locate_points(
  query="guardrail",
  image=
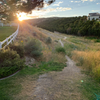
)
(9, 40)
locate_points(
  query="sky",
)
(67, 8)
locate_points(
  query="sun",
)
(21, 16)
(24, 16)
(20, 19)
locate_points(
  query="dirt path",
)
(62, 85)
(61, 43)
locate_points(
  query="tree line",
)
(79, 26)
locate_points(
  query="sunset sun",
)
(20, 19)
(22, 16)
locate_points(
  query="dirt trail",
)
(61, 43)
(62, 85)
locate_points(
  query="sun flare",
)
(20, 19)
(22, 16)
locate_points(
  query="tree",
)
(11, 7)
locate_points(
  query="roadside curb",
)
(9, 76)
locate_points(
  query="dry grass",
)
(28, 84)
(56, 57)
(90, 60)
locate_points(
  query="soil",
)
(63, 85)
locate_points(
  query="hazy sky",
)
(68, 8)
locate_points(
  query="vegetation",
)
(6, 31)
(10, 62)
(19, 48)
(9, 8)
(60, 49)
(86, 54)
(33, 48)
(49, 61)
(12, 86)
(74, 25)
(48, 40)
(43, 67)
(90, 60)
(89, 88)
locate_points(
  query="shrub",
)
(48, 40)
(10, 62)
(56, 40)
(18, 48)
(33, 48)
(60, 49)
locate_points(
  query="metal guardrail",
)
(9, 39)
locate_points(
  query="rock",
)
(29, 61)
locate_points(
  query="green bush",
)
(48, 40)
(10, 62)
(18, 48)
(33, 48)
(60, 49)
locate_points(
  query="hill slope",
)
(72, 25)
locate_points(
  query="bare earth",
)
(60, 85)
(63, 85)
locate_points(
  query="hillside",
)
(72, 25)
(48, 77)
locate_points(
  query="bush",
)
(10, 62)
(48, 40)
(33, 48)
(56, 40)
(60, 49)
(18, 48)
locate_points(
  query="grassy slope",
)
(78, 48)
(6, 31)
(10, 89)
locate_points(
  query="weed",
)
(48, 40)
(33, 48)
(60, 49)
(56, 41)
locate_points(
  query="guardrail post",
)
(0, 45)
(2, 24)
(7, 41)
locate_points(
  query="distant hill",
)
(69, 25)
(38, 20)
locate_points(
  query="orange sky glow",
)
(23, 16)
